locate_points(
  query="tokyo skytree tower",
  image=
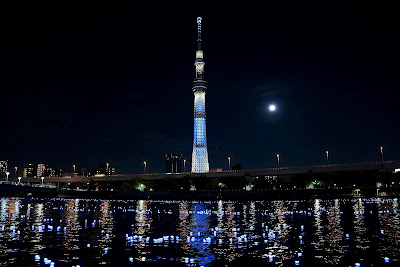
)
(200, 153)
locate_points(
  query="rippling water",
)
(64, 232)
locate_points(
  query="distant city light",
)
(272, 107)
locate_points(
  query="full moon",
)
(272, 107)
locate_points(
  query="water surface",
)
(65, 232)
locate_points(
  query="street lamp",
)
(184, 165)
(277, 157)
(327, 156)
(229, 162)
(73, 166)
(107, 170)
(7, 173)
(19, 180)
(382, 152)
(145, 165)
(15, 169)
(42, 179)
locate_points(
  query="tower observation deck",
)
(200, 154)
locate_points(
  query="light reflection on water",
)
(82, 232)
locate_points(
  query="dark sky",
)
(89, 83)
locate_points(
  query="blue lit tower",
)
(200, 154)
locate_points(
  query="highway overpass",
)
(329, 168)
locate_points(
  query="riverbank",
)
(7, 190)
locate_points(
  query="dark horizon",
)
(89, 83)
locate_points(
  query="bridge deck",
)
(330, 168)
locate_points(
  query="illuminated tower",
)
(200, 153)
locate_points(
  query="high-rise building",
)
(41, 168)
(3, 166)
(29, 171)
(173, 163)
(51, 171)
(200, 154)
(103, 169)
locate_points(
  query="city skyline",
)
(100, 85)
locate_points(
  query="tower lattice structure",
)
(200, 154)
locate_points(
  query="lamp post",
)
(42, 179)
(327, 156)
(229, 163)
(381, 152)
(107, 170)
(15, 171)
(184, 165)
(73, 166)
(7, 173)
(19, 180)
(145, 166)
(277, 157)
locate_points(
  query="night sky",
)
(89, 83)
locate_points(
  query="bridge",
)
(282, 171)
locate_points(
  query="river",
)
(80, 232)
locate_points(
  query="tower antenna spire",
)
(199, 33)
